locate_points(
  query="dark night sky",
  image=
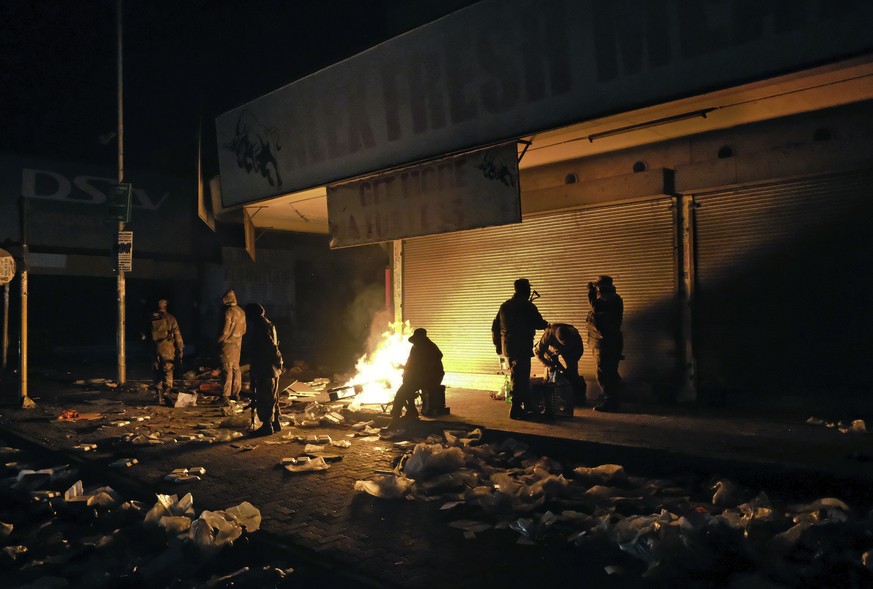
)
(181, 58)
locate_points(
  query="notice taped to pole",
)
(125, 251)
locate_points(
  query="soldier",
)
(423, 371)
(605, 339)
(230, 342)
(562, 341)
(512, 332)
(167, 345)
(267, 365)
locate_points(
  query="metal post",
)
(122, 356)
(5, 325)
(397, 260)
(688, 390)
(26, 402)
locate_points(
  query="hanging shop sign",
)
(502, 69)
(475, 189)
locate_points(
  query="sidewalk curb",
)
(789, 480)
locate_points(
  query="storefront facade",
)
(688, 150)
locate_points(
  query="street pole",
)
(122, 359)
(24, 399)
(5, 326)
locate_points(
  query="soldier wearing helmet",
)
(605, 339)
(163, 331)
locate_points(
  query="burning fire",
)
(380, 372)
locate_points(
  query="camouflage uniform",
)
(512, 332)
(605, 339)
(267, 365)
(167, 346)
(230, 342)
(562, 340)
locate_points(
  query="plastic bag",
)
(245, 514)
(600, 475)
(314, 465)
(428, 460)
(386, 487)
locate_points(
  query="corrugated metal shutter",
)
(779, 302)
(453, 284)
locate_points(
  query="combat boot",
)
(264, 430)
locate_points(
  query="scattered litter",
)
(311, 465)
(313, 448)
(341, 443)
(68, 415)
(858, 426)
(124, 462)
(186, 400)
(244, 447)
(333, 418)
(386, 487)
(184, 475)
(41, 495)
(85, 447)
(724, 493)
(470, 525)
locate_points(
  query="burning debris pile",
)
(57, 532)
(713, 535)
(378, 374)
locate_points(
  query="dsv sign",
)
(46, 185)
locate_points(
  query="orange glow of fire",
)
(380, 372)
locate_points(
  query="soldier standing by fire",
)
(267, 365)
(230, 342)
(512, 332)
(605, 339)
(163, 329)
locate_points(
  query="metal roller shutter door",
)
(781, 291)
(453, 284)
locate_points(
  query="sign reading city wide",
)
(7, 267)
(475, 189)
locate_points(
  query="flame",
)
(380, 372)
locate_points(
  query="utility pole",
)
(122, 358)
